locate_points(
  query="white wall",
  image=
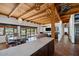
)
(71, 29)
(43, 29)
(60, 27)
(39, 29)
(66, 27)
(14, 21)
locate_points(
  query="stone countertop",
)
(26, 49)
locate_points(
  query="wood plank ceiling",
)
(38, 12)
(66, 9)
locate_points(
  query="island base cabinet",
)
(47, 50)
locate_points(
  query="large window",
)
(33, 31)
(23, 32)
(28, 32)
(10, 31)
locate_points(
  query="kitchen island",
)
(40, 47)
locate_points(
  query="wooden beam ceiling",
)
(40, 13)
(41, 18)
(72, 4)
(6, 8)
(38, 19)
(65, 17)
(31, 8)
(42, 21)
(26, 12)
(15, 9)
(57, 14)
(34, 12)
(44, 11)
(54, 12)
(44, 16)
(38, 16)
(73, 10)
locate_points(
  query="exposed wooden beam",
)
(41, 21)
(26, 12)
(65, 17)
(72, 11)
(56, 14)
(6, 15)
(65, 20)
(72, 5)
(30, 4)
(3, 14)
(41, 18)
(38, 16)
(43, 8)
(15, 9)
(31, 8)
(45, 20)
